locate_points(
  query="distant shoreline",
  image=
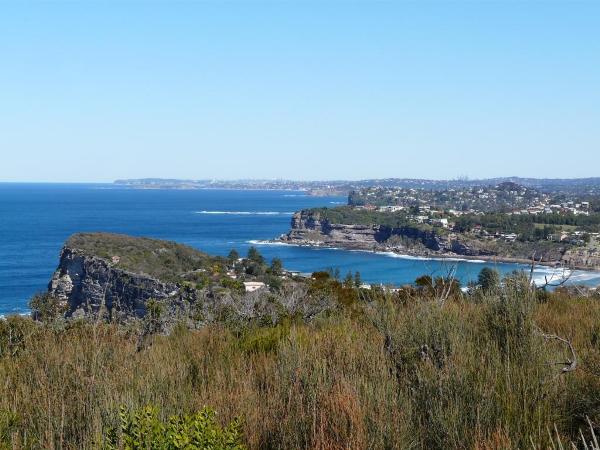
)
(308, 192)
(444, 256)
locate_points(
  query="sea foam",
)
(263, 242)
(247, 213)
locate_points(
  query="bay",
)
(36, 219)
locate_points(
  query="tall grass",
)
(398, 375)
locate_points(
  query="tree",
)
(357, 279)
(276, 266)
(45, 307)
(348, 281)
(321, 276)
(336, 273)
(254, 268)
(424, 281)
(233, 256)
(489, 279)
(255, 256)
(151, 324)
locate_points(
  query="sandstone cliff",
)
(309, 227)
(114, 277)
(92, 285)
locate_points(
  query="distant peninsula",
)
(507, 222)
(344, 187)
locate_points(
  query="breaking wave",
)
(264, 242)
(247, 213)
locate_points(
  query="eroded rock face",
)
(93, 286)
(308, 228)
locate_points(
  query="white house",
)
(252, 286)
(440, 223)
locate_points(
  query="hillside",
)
(164, 260)
(498, 237)
(121, 278)
(505, 366)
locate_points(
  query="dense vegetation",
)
(164, 260)
(352, 216)
(178, 263)
(427, 367)
(529, 226)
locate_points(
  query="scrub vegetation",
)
(505, 366)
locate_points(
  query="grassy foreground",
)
(383, 371)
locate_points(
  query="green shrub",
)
(14, 332)
(8, 425)
(143, 429)
(235, 285)
(264, 339)
(45, 307)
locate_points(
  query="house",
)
(418, 219)
(439, 223)
(392, 208)
(558, 237)
(252, 286)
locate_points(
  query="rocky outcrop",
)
(91, 285)
(114, 277)
(310, 228)
(582, 257)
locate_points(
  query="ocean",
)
(35, 220)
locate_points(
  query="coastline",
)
(305, 191)
(432, 256)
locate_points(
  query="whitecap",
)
(23, 314)
(265, 242)
(247, 213)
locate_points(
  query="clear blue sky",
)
(93, 91)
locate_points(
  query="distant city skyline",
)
(299, 90)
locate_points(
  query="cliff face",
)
(309, 228)
(91, 285)
(113, 277)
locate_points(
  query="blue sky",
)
(94, 91)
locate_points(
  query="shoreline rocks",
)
(308, 228)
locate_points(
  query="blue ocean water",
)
(35, 220)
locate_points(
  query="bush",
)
(46, 307)
(14, 332)
(489, 279)
(143, 429)
(474, 373)
(264, 339)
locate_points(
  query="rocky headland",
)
(310, 228)
(120, 278)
